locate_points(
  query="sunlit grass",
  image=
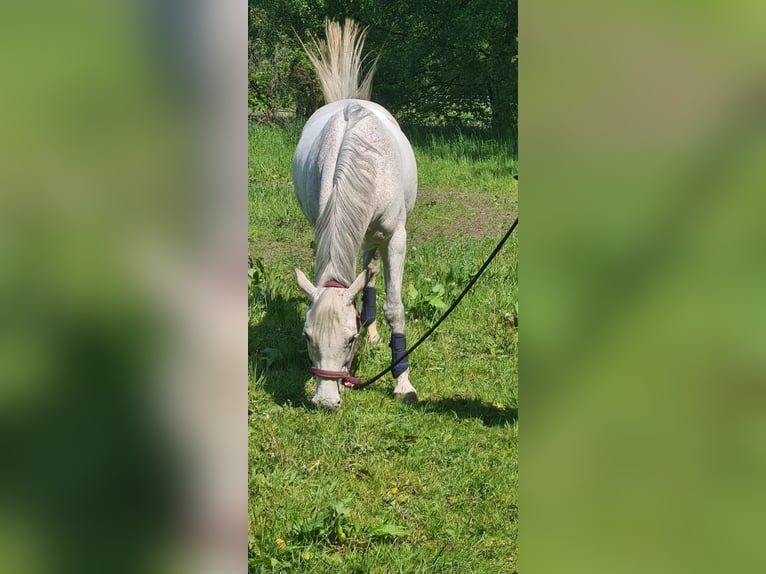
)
(463, 160)
(381, 486)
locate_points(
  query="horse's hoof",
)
(410, 398)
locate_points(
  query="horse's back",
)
(315, 159)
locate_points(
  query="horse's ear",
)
(303, 282)
(356, 286)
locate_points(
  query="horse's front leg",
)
(371, 263)
(393, 309)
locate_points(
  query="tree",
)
(449, 62)
(279, 73)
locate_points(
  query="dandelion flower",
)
(394, 490)
(280, 543)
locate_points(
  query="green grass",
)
(466, 160)
(381, 486)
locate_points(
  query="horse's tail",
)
(339, 63)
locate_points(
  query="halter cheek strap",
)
(345, 374)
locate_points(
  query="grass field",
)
(382, 486)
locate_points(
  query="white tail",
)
(339, 63)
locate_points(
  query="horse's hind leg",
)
(393, 309)
(371, 262)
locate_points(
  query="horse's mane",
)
(339, 63)
(343, 222)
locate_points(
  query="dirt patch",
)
(437, 213)
(272, 252)
(459, 214)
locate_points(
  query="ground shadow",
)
(277, 353)
(462, 407)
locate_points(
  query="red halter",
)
(345, 374)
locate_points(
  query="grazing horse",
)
(356, 180)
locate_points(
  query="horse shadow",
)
(277, 354)
(462, 407)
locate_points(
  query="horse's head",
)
(331, 330)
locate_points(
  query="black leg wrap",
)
(368, 306)
(398, 348)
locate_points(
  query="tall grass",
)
(463, 159)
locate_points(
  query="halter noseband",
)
(345, 374)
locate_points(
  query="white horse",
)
(356, 180)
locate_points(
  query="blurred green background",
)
(122, 241)
(120, 258)
(642, 364)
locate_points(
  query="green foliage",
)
(425, 303)
(452, 64)
(280, 76)
(326, 527)
(456, 64)
(256, 279)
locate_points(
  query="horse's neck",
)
(336, 265)
(338, 238)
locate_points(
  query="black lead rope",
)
(448, 311)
